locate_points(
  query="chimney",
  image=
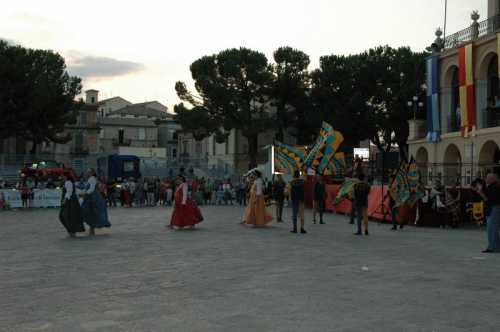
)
(91, 97)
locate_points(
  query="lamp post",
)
(416, 105)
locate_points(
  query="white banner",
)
(12, 197)
(42, 198)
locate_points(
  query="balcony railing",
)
(125, 142)
(472, 33)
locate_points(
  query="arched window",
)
(493, 92)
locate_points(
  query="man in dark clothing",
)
(279, 196)
(491, 194)
(319, 199)
(360, 202)
(297, 198)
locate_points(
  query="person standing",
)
(70, 214)
(112, 193)
(360, 203)
(150, 192)
(491, 195)
(255, 212)
(95, 212)
(393, 209)
(319, 199)
(297, 193)
(279, 196)
(186, 213)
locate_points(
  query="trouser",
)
(279, 209)
(493, 221)
(361, 217)
(112, 200)
(298, 211)
(319, 207)
(151, 198)
(394, 216)
(353, 214)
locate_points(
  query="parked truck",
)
(118, 168)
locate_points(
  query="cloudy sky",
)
(139, 49)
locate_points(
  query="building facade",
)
(461, 138)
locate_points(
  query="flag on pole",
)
(287, 158)
(399, 188)
(337, 165)
(346, 190)
(324, 149)
(414, 183)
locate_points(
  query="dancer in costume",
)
(95, 211)
(70, 214)
(255, 213)
(186, 213)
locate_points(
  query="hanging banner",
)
(433, 112)
(467, 96)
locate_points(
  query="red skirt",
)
(186, 215)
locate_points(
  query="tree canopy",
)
(37, 95)
(233, 92)
(364, 96)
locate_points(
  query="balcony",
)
(475, 31)
(125, 142)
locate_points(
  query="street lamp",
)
(416, 105)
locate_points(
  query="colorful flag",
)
(346, 190)
(399, 188)
(414, 183)
(287, 158)
(467, 97)
(337, 165)
(323, 151)
(433, 113)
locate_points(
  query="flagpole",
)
(445, 18)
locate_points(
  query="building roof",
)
(140, 110)
(126, 122)
(112, 98)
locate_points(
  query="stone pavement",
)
(138, 276)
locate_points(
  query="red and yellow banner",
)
(467, 97)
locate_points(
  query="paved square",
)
(138, 276)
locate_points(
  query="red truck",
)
(46, 169)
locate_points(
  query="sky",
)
(139, 49)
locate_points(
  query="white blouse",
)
(258, 186)
(184, 193)
(92, 181)
(68, 186)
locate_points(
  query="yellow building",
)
(461, 138)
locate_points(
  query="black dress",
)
(70, 214)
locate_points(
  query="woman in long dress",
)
(70, 214)
(186, 213)
(95, 212)
(255, 213)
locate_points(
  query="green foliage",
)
(233, 92)
(36, 94)
(291, 85)
(365, 95)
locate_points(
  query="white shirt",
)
(92, 181)
(258, 186)
(68, 185)
(184, 193)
